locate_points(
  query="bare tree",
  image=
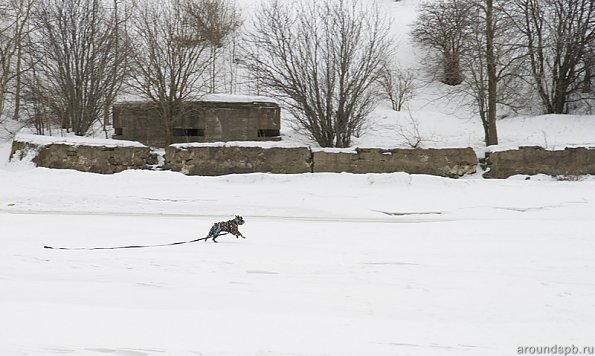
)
(484, 50)
(492, 64)
(397, 85)
(79, 60)
(557, 37)
(170, 64)
(214, 22)
(322, 59)
(14, 26)
(442, 27)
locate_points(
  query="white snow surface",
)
(333, 264)
(75, 140)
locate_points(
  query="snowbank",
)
(42, 140)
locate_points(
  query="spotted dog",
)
(230, 227)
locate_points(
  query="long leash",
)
(130, 246)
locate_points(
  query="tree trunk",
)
(560, 99)
(18, 81)
(213, 68)
(492, 138)
(589, 75)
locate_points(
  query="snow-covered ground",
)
(333, 264)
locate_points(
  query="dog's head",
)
(239, 220)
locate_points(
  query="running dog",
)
(230, 227)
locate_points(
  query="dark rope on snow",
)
(129, 246)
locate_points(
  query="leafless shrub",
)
(398, 85)
(411, 133)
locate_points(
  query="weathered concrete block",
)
(450, 162)
(535, 160)
(96, 159)
(220, 160)
(20, 149)
(337, 162)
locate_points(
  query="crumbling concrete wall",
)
(192, 159)
(450, 162)
(535, 160)
(212, 160)
(220, 160)
(96, 159)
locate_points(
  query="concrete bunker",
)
(213, 118)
